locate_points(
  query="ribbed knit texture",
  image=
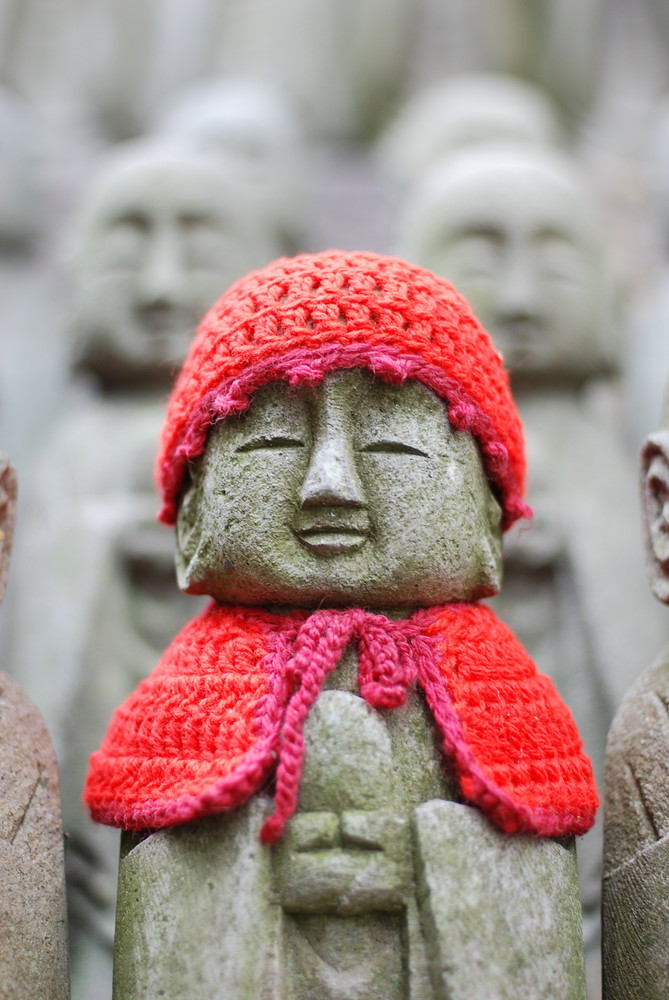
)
(301, 317)
(230, 696)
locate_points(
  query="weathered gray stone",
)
(635, 903)
(33, 927)
(360, 467)
(496, 909)
(195, 915)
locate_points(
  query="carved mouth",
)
(330, 535)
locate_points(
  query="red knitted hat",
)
(299, 318)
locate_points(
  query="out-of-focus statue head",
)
(20, 196)
(255, 129)
(465, 111)
(517, 232)
(161, 229)
(332, 439)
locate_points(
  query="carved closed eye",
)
(393, 448)
(269, 443)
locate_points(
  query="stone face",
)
(162, 231)
(516, 231)
(357, 467)
(495, 909)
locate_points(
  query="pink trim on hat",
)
(306, 366)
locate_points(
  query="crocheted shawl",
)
(230, 696)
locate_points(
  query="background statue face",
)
(165, 233)
(517, 236)
(357, 492)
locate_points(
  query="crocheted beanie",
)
(299, 318)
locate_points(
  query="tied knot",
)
(386, 670)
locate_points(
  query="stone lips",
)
(302, 317)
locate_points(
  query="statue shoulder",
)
(636, 783)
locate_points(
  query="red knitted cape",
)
(230, 695)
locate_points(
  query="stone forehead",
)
(464, 110)
(503, 177)
(149, 172)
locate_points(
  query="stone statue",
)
(161, 231)
(340, 456)
(33, 927)
(635, 897)
(463, 111)
(255, 130)
(515, 229)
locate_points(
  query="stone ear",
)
(655, 511)
(492, 546)
(188, 533)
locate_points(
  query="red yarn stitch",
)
(302, 317)
(232, 692)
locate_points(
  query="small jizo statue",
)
(635, 887)
(345, 778)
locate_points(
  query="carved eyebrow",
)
(270, 441)
(393, 447)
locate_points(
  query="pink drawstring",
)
(386, 670)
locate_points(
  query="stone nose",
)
(332, 478)
(161, 276)
(519, 294)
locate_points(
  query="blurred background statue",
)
(163, 228)
(258, 134)
(464, 111)
(515, 229)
